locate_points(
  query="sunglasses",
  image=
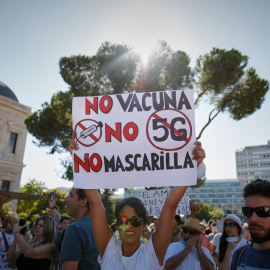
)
(134, 221)
(261, 211)
(230, 224)
(185, 231)
(214, 224)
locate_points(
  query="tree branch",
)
(209, 121)
(199, 96)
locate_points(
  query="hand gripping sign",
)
(134, 140)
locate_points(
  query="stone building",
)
(12, 140)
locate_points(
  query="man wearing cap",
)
(189, 253)
(257, 212)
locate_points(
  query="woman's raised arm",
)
(102, 232)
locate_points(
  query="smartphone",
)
(22, 222)
(52, 196)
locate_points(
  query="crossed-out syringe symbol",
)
(88, 131)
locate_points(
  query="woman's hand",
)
(198, 153)
(17, 228)
(73, 145)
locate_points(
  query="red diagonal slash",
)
(169, 126)
(91, 135)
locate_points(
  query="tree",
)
(33, 208)
(6, 210)
(217, 213)
(204, 214)
(108, 204)
(114, 69)
(222, 77)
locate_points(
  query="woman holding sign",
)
(131, 219)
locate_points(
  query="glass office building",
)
(253, 162)
(225, 194)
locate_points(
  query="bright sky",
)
(34, 35)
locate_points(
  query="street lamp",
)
(44, 190)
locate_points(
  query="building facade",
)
(253, 162)
(12, 140)
(225, 194)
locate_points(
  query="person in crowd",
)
(214, 230)
(145, 235)
(189, 253)
(257, 212)
(176, 231)
(233, 237)
(247, 237)
(155, 220)
(6, 240)
(131, 219)
(209, 228)
(79, 249)
(54, 212)
(64, 223)
(38, 253)
(183, 219)
(205, 240)
(151, 229)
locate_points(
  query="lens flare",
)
(124, 226)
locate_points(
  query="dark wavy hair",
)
(257, 187)
(223, 244)
(134, 202)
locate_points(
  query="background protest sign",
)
(134, 140)
(153, 201)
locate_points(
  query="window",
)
(5, 185)
(12, 142)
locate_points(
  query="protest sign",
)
(153, 201)
(134, 140)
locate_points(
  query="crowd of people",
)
(84, 240)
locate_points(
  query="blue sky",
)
(34, 35)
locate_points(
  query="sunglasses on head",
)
(134, 221)
(230, 224)
(185, 231)
(261, 211)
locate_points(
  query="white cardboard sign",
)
(134, 140)
(153, 201)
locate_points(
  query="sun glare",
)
(145, 50)
(141, 27)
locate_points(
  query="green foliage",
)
(108, 204)
(6, 210)
(200, 182)
(33, 208)
(222, 76)
(217, 213)
(204, 214)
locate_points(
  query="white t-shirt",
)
(3, 251)
(215, 241)
(192, 259)
(144, 258)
